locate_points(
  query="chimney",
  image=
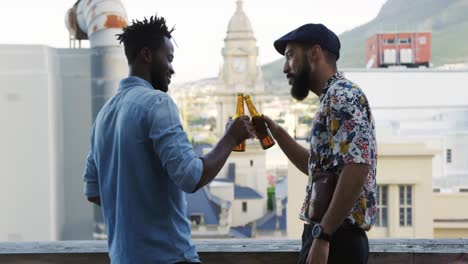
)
(99, 21)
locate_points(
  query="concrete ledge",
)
(241, 251)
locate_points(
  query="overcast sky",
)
(200, 24)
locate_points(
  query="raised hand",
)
(240, 129)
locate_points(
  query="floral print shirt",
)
(343, 132)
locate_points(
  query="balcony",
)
(417, 251)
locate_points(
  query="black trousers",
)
(348, 245)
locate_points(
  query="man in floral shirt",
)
(342, 141)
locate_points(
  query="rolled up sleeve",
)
(172, 146)
(91, 181)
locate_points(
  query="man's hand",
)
(95, 200)
(271, 124)
(236, 132)
(240, 129)
(318, 253)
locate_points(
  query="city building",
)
(48, 98)
(240, 190)
(411, 49)
(45, 108)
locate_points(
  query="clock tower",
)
(239, 72)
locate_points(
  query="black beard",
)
(300, 86)
(158, 84)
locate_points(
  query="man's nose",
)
(286, 68)
(171, 70)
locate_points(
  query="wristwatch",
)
(317, 232)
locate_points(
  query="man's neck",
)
(134, 71)
(326, 74)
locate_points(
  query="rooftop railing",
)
(254, 251)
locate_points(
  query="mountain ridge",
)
(446, 20)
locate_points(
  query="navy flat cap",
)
(311, 34)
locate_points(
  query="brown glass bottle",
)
(239, 112)
(264, 136)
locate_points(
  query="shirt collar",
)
(134, 81)
(337, 76)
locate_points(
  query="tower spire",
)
(240, 5)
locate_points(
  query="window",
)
(197, 219)
(382, 205)
(389, 41)
(251, 163)
(404, 41)
(449, 156)
(244, 207)
(406, 209)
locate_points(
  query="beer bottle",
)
(239, 112)
(264, 136)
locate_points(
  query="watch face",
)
(316, 230)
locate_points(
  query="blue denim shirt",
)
(140, 163)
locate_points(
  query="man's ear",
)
(314, 53)
(146, 55)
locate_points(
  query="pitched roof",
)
(241, 231)
(268, 221)
(241, 192)
(203, 202)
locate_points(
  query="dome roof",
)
(239, 25)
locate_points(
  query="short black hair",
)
(146, 33)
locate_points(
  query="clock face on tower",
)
(239, 64)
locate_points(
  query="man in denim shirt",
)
(140, 162)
